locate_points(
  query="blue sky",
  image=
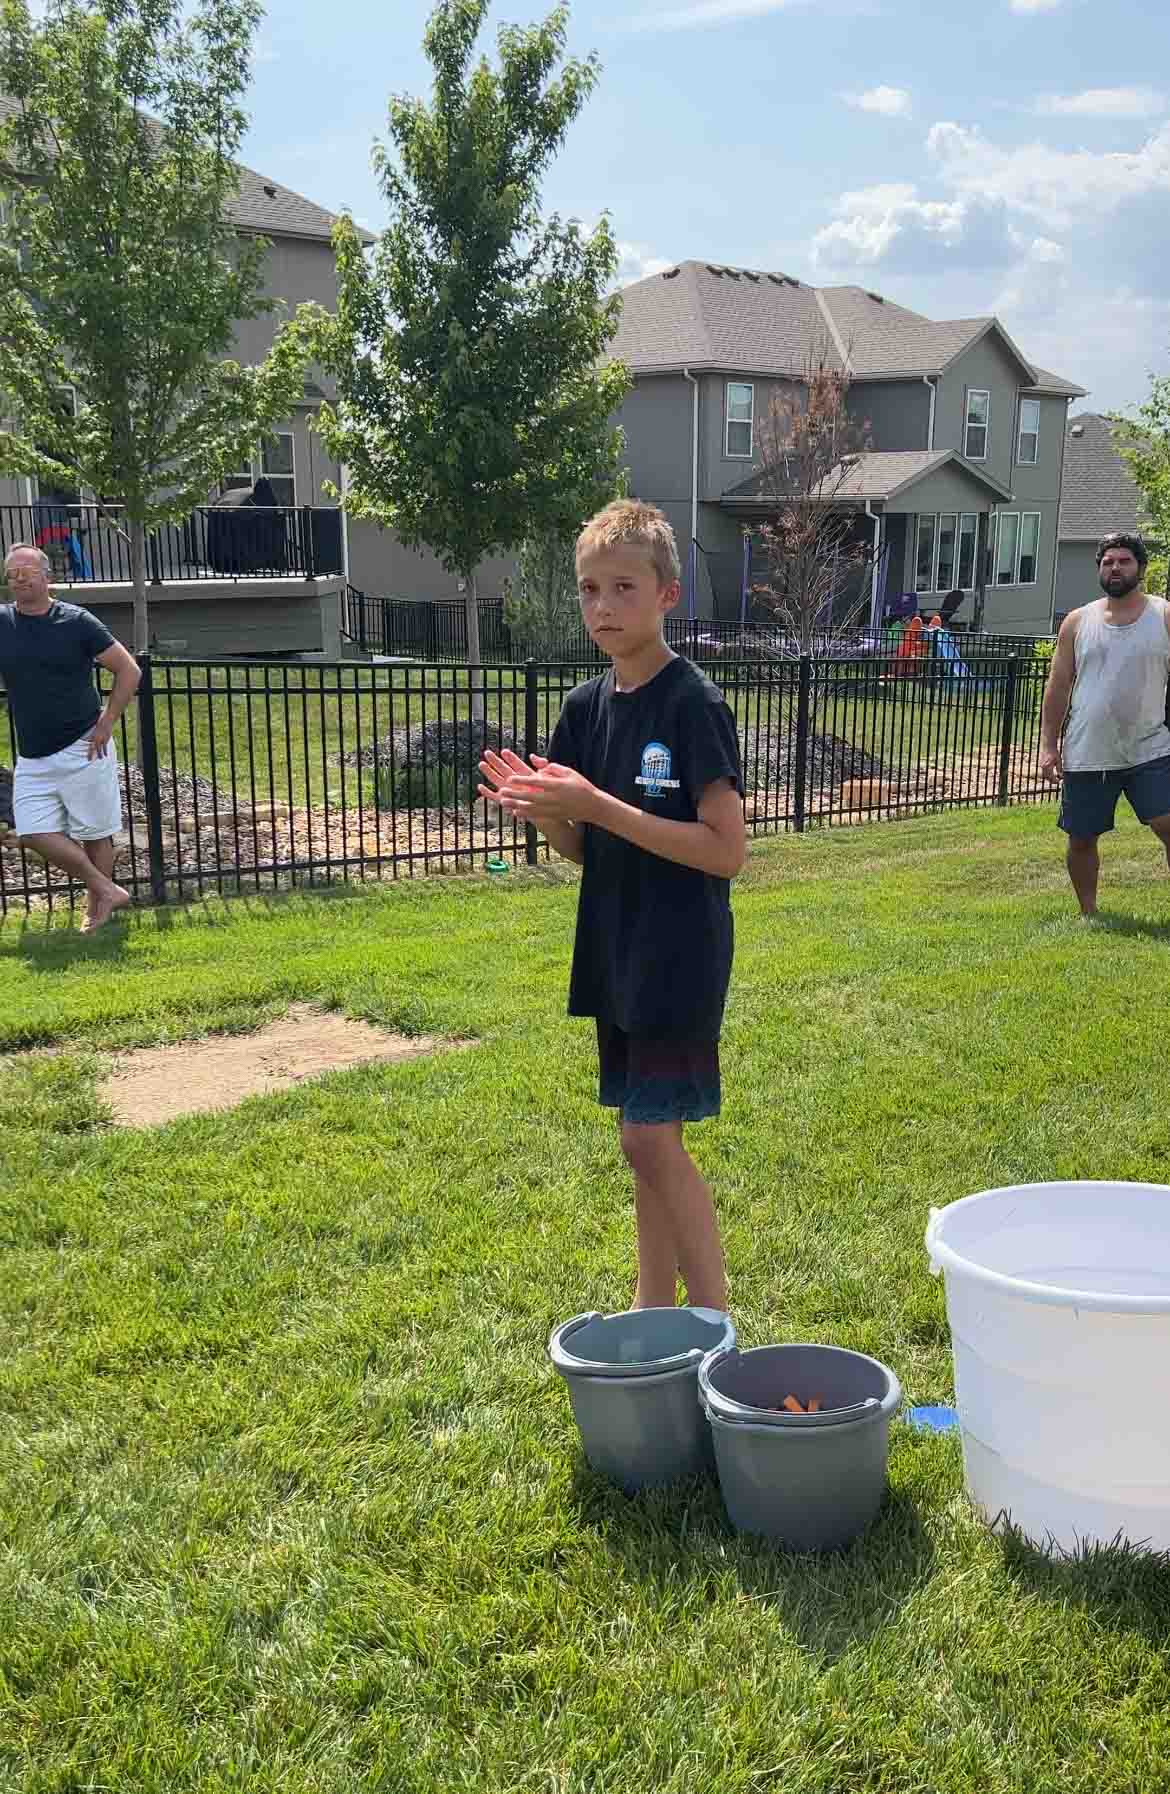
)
(1008, 156)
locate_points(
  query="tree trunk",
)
(474, 659)
(138, 580)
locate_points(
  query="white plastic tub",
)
(1058, 1298)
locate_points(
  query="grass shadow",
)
(51, 949)
(829, 1601)
(1132, 926)
(1120, 1585)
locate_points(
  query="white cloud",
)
(1054, 186)
(1027, 6)
(1103, 102)
(891, 222)
(636, 263)
(891, 102)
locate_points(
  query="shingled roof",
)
(876, 474)
(739, 320)
(262, 205)
(1098, 493)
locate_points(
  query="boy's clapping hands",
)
(539, 792)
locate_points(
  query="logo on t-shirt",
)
(655, 773)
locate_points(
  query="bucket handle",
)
(932, 1227)
(710, 1360)
(560, 1355)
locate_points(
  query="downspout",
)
(875, 621)
(1056, 530)
(928, 383)
(688, 375)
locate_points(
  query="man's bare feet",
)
(102, 905)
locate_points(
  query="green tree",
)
(474, 404)
(1143, 441)
(120, 276)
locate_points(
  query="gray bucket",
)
(633, 1383)
(812, 1482)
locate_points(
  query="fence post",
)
(530, 748)
(800, 775)
(148, 766)
(1007, 730)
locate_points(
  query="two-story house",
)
(963, 479)
(268, 582)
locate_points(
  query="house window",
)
(978, 420)
(741, 404)
(945, 552)
(1017, 549)
(944, 576)
(924, 561)
(1028, 440)
(62, 493)
(1007, 545)
(241, 476)
(968, 535)
(278, 467)
(1029, 548)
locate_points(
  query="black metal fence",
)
(86, 544)
(437, 631)
(245, 775)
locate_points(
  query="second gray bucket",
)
(812, 1482)
(633, 1383)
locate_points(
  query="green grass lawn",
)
(289, 1495)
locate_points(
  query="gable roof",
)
(1097, 493)
(262, 205)
(701, 315)
(880, 474)
(704, 315)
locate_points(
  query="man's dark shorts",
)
(1088, 800)
(654, 1081)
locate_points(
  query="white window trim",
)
(968, 426)
(255, 468)
(292, 437)
(935, 587)
(1015, 580)
(1021, 433)
(728, 453)
(925, 591)
(959, 586)
(84, 496)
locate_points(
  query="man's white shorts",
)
(69, 794)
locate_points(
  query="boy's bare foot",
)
(103, 905)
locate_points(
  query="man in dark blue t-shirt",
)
(66, 795)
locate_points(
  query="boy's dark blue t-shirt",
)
(654, 939)
(46, 663)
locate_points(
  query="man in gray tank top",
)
(1107, 691)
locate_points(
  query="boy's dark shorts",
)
(653, 1081)
(1088, 800)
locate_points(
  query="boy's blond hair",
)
(627, 523)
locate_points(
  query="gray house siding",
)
(1010, 607)
(1076, 576)
(656, 419)
(719, 471)
(897, 413)
(383, 567)
(296, 271)
(987, 367)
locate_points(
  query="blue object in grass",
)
(933, 1419)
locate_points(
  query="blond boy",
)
(642, 787)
